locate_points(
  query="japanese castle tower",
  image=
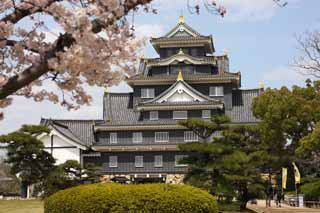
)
(137, 139)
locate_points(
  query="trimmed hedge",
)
(131, 198)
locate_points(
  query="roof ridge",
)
(120, 93)
(84, 120)
(251, 89)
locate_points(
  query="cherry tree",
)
(95, 47)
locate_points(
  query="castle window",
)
(216, 91)
(206, 113)
(154, 115)
(158, 161)
(178, 158)
(113, 161)
(137, 137)
(180, 115)
(138, 161)
(190, 136)
(147, 93)
(161, 137)
(113, 137)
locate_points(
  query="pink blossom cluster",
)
(96, 47)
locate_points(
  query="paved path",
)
(261, 208)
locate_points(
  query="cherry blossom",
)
(94, 47)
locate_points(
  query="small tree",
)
(26, 155)
(67, 175)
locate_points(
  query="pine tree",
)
(229, 164)
(26, 155)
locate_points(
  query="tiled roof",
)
(186, 77)
(79, 131)
(181, 38)
(153, 101)
(186, 26)
(119, 114)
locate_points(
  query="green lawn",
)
(36, 206)
(21, 206)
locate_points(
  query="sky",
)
(260, 39)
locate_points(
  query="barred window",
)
(206, 113)
(161, 136)
(137, 137)
(178, 158)
(138, 161)
(154, 115)
(158, 161)
(216, 91)
(147, 93)
(190, 136)
(113, 161)
(113, 137)
(180, 115)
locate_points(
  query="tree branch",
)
(35, 71)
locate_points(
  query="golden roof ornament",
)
(181, 19)
(106, 90)
(180, 51)
(225, 52)
(142, 56)
(261, 85)
(180, 77)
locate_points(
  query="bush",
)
(131, 198)
(311, 191)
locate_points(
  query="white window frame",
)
(147, 93)
(113, 161)
(177, 115)
(138, 161)
(214, 91)
(190, 136)
(160, 137)
(154, 115)
(177, 158)
(158, 161)
(206, 113)
(137, 137)
(113, 137)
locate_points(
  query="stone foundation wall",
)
(175, 178)
(169, 178)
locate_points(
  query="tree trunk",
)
(24, 189)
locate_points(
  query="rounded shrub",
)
(131, 198)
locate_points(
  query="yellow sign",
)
(284, 177)
(297, 176)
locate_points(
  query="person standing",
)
(269, 194)
(278, 196)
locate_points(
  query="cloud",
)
(249, 10)
(237, 10)
(149, 30)
(284, 75)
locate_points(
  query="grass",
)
(21, 206)
(36, 206)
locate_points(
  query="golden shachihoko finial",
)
(181, 19)
(225, 52)
(261, 85)
(180, 77)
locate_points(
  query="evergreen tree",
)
(67, 175)
(228, 164)
(26, 155)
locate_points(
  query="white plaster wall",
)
(61, 154)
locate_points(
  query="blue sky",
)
(259, 37)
